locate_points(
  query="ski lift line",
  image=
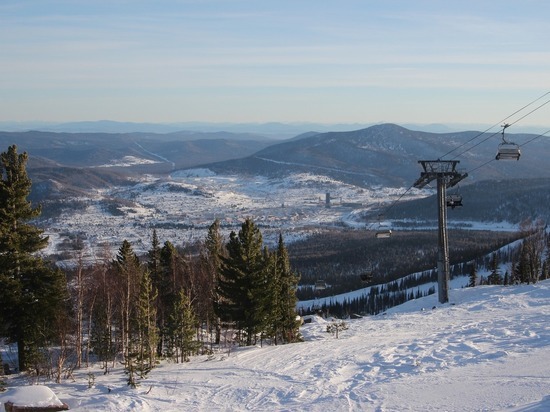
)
(502, 121)
(391, 205)
(521, 145)
(507, 125)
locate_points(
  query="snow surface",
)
(487, 350)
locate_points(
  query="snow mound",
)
(31, 396)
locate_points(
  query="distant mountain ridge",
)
(63, 164)
(277, 130)
(388, 155)
(381, 155)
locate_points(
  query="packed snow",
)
(486, 350)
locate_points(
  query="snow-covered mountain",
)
(487, 350)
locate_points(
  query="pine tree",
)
(242, 282)
(31, 293)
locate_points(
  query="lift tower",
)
(444, 171)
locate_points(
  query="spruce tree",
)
(214, 252)
(288, 283)
(242, 282)
(31, 293)
(153, 261)
(523, 268)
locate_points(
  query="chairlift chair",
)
(320, 285)
(383, 231)
(507, 150)
(366, 277)
(383, 234)
(454, 200)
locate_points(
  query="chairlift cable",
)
(521, 145)
(384, 211)
(502, 121)
(536, 137)
(507, 125)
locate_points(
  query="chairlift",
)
(383, 231)
(507, 150)
(320, 285)
(366, 277)
(383, 234)
(454, 200)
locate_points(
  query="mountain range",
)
(386, 155)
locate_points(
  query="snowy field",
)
(487, 350)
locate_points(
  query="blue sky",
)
(285, 61)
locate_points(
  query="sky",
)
(352, 61)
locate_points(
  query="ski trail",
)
(156, 155)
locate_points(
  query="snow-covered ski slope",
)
(486, 350)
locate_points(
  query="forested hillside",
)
(339, 257)
(505, 200)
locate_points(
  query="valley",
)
(183, 206)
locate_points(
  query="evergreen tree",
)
(214, 252)
(286, 294)
(31, 293)
(153, 261)
(145, 321)
(523, 267)
(494, 277)
(172, 271)
(128, 272)
(242, 282)
(506, 280)
(473, 275)
(214, 244)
